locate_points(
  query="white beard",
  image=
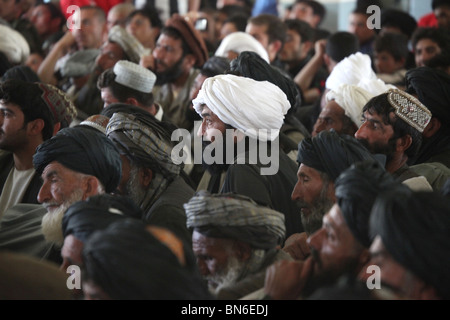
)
(227, 277)
(52, 221)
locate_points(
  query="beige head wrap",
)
(239, 42)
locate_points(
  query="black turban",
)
(414, 228)
(83, 150)
(331, 153)
(251, 65)
(432, 87)
(128, 262)
(215, 65)
(96, 213)
(356, 190)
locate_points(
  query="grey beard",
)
(235, 271)
(133, 188)
(313, 221)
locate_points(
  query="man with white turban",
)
(242, 118)
(343, 110)
(235, 43)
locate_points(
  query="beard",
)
(312, 221)
(52, 221)
(387, 149)
(228, 276)
(133, 188)
(170, 74)
(215, 168)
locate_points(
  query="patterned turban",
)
(237, 217)
(83, 150)
(257, 108)
(145, 139)
(331, 153)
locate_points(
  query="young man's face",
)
(442, 14)
(358, 26)
(386, 63)
(425, 50)
(13, 131)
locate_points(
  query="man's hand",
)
(286, 279)
(297, 247)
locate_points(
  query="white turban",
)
(241, 41)
(13, 45)
(245, 104)
(351, 70)
(352, 99)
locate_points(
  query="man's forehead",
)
(310, 171)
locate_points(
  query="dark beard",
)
(215, 168)
(387, 149)
(171, 74)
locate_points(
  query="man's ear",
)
(243, 250)
(91, 187)
(190, 60)
(146, 176)
(403, 143)
(36, 126)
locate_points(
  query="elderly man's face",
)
(219, 260)
(314, 196)
(331, 117)
(334, 248)
(211, 126)
(61, 187)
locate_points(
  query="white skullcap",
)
(351, 70)
(352, 99)
(241, 41)
(13, 45)
(134, 76)
(129, 44)
(245, 104)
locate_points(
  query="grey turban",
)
(129, 263)
(356, 190)
(84, 217)
(331, 153)
(237, 217)
(146, 140)
(83, 150)
(414, 228)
